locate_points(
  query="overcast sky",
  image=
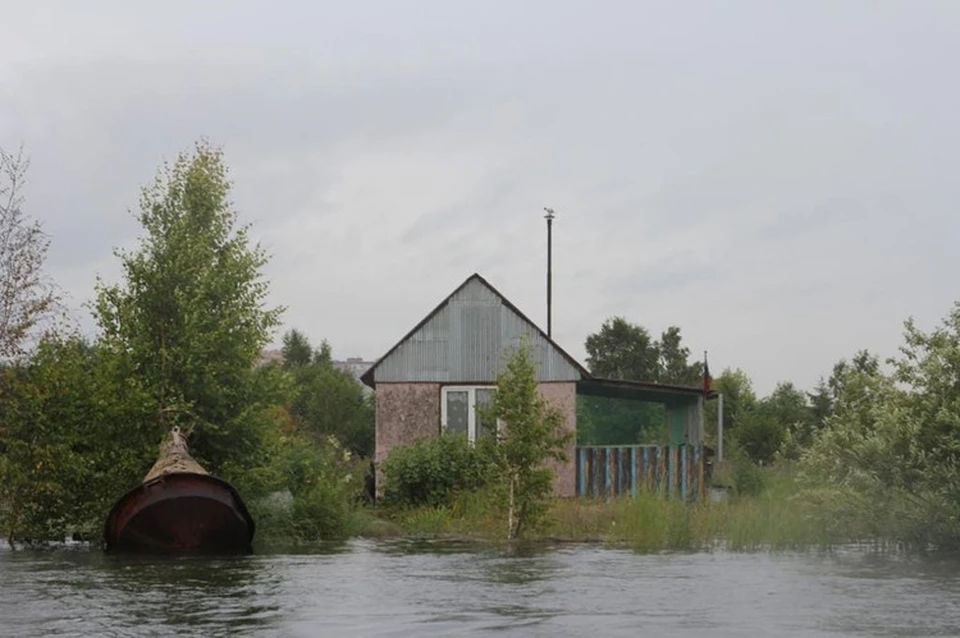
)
(776, 178)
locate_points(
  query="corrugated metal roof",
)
(468, 338)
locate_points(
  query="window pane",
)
(458, 403)
(484, 400)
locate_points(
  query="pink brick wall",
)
(410, 411)
(563, 397)
(405, 412)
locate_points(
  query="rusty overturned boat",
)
(179, 508)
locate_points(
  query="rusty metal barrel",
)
(179, 508)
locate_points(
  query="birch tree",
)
(27, 296)
(191, 312)
(531, 435)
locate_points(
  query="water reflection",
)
(421, 588)
(87, 593)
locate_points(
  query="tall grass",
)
(650, 522)
(780, 517)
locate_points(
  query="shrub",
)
(532, 434)
(433, 471)
(306, 491)
(747, 478)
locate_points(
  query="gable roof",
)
(368, 376)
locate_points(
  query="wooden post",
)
(684, 454)
(582, 467)
(700, 468)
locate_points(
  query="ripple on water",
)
(402, 588)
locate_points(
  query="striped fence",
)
(622, 470)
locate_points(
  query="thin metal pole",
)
(549, 218)
(720, 428)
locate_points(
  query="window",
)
(458, 410)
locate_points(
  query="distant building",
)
(269, 356)
(356, 366)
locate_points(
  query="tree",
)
(77, 435)
(823, 399)
(296, 351)
(621, 350)
(782, 417)
(738, 399)
(327, 401)
(930, 367)
(531, 435)
(821, 403)
(673, 360)
(616, 421)
(191, 314)
(27, 297)
(759, 433)
(863, 362)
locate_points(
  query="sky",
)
(777, 179)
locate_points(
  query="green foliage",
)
(611, 421)
(328, 401)
(297, 351)
(76, 435)
(930, 367)
(433, 471)
(779, 423)
(759, 434)
(531, 435)
(27, 296)
(305, 492)
(190, 314)
(738, 395)
(821, 403)
(738, 398)
(774, 519)
(826, 393)
(622, 350)
(747, 478)
(885, 463)
(673, 360)
(738, 473)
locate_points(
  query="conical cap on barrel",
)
(174, 457)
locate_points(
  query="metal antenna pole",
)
(549, 217)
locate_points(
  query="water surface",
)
(406, 588)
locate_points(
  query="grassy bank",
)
(781, 517)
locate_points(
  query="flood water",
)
(406, 588)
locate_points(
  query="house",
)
(436, 375)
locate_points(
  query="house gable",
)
(468, 338)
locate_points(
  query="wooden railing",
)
(607, 471)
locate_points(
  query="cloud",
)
(775, 180)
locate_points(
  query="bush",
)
(433, 471)
(306, 491)
(747, 478)
(738, 473)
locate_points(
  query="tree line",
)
(177, 344)
(179, 337)
(783, 422)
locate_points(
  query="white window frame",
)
(471, 407)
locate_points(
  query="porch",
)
(634, 436)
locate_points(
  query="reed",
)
(778, 518)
